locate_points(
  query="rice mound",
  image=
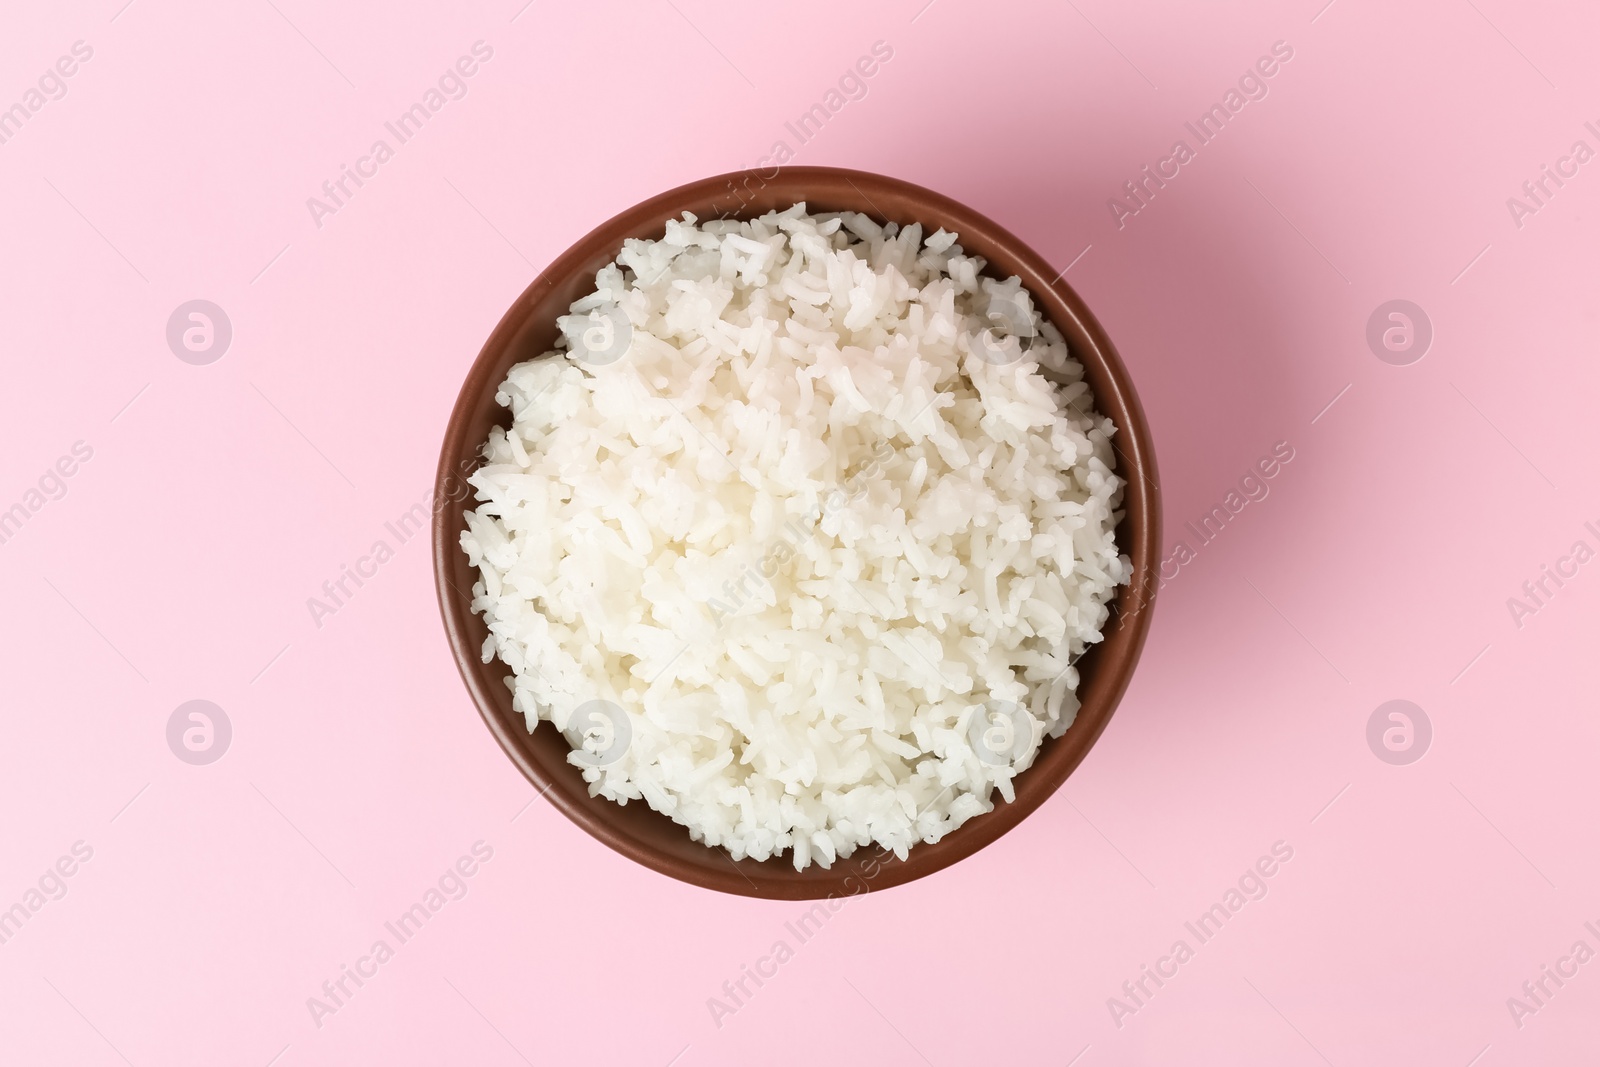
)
(792, 537)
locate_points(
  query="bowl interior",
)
(528, 330)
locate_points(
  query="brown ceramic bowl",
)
(528, 329)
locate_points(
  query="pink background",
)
(219, 498)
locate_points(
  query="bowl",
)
(528, 329)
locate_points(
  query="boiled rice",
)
(792, 536)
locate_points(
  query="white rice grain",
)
(794, 501)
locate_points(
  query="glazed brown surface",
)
(528, 329)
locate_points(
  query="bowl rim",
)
(1105, 670)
